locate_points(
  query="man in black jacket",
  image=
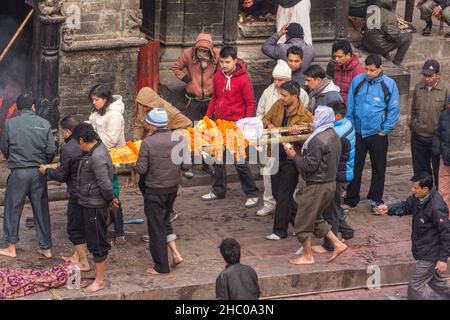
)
(27, 142)
(318, 165)
(67, 172)
(430, 236)
(238, 281)
(95, 194)
(384, 35)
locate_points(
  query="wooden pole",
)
(16, 35)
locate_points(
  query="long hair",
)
(101, 91)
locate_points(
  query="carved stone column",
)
(231, 15)
(47, 23)
(342, 8)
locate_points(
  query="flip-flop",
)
(173, 265)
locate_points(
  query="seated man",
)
(387, 36)
(434, 8)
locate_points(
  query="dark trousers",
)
(196, 110)
(96, 232)
(402, 46)
(423, 159)
(142, 188)
(425, 273)
(219, 187)
(284, 183)
(117, 220)
(22, 183)
(331, 214)
(75, 223)
(377, 146)
(157, 208)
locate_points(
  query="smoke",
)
(17, 63)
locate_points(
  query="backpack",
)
(386, 92)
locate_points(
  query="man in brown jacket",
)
(429, 99)
(286, 112)
(148, 99)
(196, 66)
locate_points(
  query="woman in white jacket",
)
(107, 119)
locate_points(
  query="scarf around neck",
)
(323, 120)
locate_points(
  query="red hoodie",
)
(343, 75)
(232, 98)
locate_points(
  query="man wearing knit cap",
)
(196, 67)
(162, 177)
(281, 74)
(294, 37)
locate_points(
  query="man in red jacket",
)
(346, 68)
(232, 100)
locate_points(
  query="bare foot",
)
(73, 259)
(302, 260)
(83, 265)
(177, 261)
(152, 272)
(45, 253)
(8, 252)
(337, 251)
(94, 287)
(319, 249)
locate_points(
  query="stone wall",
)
(103, 50)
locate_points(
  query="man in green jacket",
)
(27, 142)
(428, 100)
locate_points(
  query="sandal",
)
(426, 32)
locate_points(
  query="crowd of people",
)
(318, 182)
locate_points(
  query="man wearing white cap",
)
(162, 177)
(281, 74)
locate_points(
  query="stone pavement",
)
(381, 241)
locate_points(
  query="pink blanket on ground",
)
(16, 283)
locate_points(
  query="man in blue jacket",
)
(373, 108)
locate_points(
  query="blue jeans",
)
(22, 183)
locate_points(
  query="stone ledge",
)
(109, 44)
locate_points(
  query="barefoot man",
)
(27, 142)
(318, 165)
(162, 173)
(95, 195)
(67, 172)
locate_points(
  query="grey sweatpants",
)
(22, 183)
(424, 274)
